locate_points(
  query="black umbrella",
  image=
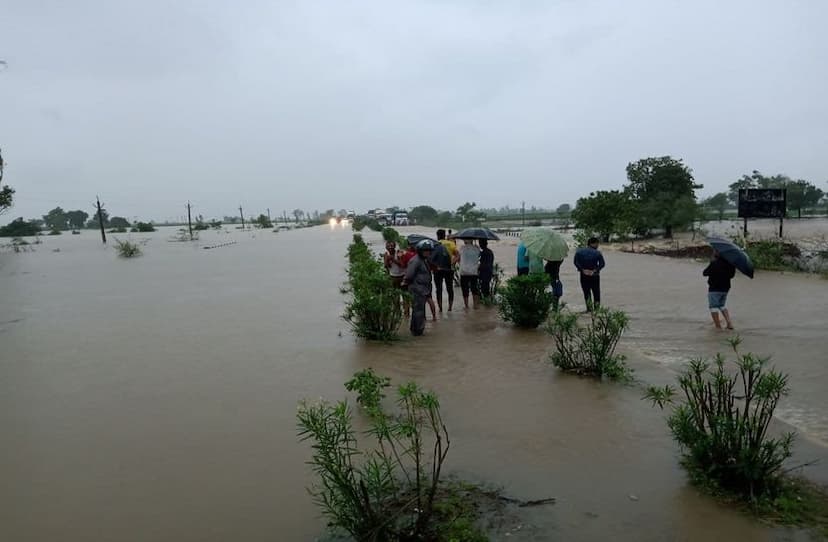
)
(477, 233)
(415, 238)
(732, 253)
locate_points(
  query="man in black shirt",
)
(718, 274)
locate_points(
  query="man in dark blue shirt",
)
(589, 261)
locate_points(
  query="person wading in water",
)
(719, 273)
(589, 261)
(418, 280)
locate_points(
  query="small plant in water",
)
(590, 349)
(390, 490)
(525, 300)
(722, 424)
(127, 249)
(375, 306)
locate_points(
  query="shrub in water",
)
(722, 424)
(143, 227)
(590, 349)
(525, 300)
(374, 309)
(127, 249)
(386, 492)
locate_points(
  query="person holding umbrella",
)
(727, 258)
(719, 273)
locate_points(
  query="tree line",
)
(660, 195)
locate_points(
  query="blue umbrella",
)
(733, 254)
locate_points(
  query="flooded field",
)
(155, 398)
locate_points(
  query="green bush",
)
(20, 228)
(388, 491)
(768, 255)
(143, 227)
(374, 308)
(590, 349)
(494, 287)
(525, 300)
(581, 237)
(722, 424)
(127, 249)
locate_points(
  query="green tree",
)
(263, 222)
(660, 185)
(56, 219)
(424, 214)
(20, 228)
(717, 202)
(6, 192)
(801, 195)
(118, 222)
(606, 212)
(93, 222)
(76, 219)
(564, 210)
(468, 212)
(6, 198)
(299, 213)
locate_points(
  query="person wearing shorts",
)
(719, 273)
(469, 272)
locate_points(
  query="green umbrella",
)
(545, 242)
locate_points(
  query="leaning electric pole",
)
(100, 219)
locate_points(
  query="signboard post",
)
(763, 203)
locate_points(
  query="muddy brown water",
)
(154, 399)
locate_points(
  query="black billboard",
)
(762, 203)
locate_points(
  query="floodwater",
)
(155, 398)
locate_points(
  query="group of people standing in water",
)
(428, 265)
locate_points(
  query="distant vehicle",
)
(401, 219)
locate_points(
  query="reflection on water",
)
(154, 399)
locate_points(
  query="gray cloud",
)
(360, 104)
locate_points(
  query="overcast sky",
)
(341, 104)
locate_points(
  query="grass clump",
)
(390, 490)
(374, 308)
(589, 350)
(127, 249)
(722, 427)
(525, 300)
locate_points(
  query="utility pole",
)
(523, 213)
(100, 219)
(241, 213)
(189, 221)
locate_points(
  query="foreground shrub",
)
(126, 249)
(525, 300)
(387, 491)
(722, 424)
(589, 350)
(374, 308)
